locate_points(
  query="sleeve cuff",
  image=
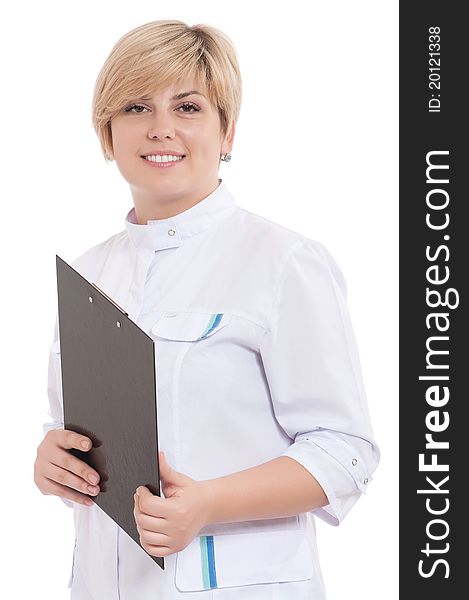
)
(53, 425)
(339, 485)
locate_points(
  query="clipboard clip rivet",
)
(118, 323)
(90, 298)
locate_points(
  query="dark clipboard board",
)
(109, 394)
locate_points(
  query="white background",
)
(315, 150)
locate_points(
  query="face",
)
(178, 120)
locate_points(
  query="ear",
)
(228, 139)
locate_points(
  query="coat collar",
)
(159, 234)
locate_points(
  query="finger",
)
(151, 504)
(155, 524)
(56, 489)
(152, 523)
(159, 551)
(137, 511)
(143, 492)
(69, 479)
(71, 463)
(153, 538)
(71, 439)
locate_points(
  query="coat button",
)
(354, 461)
(171, 232)
(365, 481)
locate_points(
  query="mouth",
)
(163, 161)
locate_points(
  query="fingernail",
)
(93, 478)
(138, 491)
(85, 444)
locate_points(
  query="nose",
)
(161, 126)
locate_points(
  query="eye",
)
(129, 108)
(190, 105)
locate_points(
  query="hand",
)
(167, 525)
(59, 473)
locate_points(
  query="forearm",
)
(278, 488)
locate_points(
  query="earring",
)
(226, 157)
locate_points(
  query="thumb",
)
(169, 475)
(166, 471)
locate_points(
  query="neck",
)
(149, 206)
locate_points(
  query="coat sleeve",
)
(313, 370)
(54, 392)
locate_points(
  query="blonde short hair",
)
(158, 54)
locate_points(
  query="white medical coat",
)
(255, 359)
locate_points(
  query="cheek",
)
(124, 139)
(203, 132)
(204, 143)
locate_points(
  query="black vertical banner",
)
(434, 257)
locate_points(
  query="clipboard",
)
(109, 394)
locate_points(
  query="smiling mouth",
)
(163, 159)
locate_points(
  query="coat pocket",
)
(189, 326)
(253, 556)
(253, 526)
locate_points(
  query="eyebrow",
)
(180, 96)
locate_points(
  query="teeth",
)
(165, 158)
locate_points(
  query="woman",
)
(262, 416)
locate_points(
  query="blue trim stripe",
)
(211, 562)
(209, 574)
(204, 560)
(214, 322)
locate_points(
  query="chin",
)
(174, 187)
